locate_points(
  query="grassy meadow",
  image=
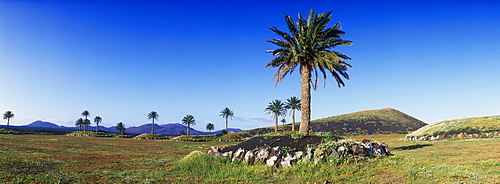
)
(67, 159)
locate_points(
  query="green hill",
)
(469, 125)
(383, 121)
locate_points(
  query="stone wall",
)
(462, 135)
(283, 157)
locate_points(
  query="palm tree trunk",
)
(188, 131)
(293, 120)
(276, 123)
(97, 128)
(153, 127)
(8, 121)
(306, 99)
(227, 129)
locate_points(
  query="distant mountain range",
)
(166, 129)
(383, 121)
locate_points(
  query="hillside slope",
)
(383, 121)
(469, 125)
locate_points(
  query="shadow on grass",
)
(411, 147)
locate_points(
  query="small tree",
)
(79, 123)
(182, 132)
(293, 103)
(210, 127)
(121, 128)
(153, 116)
(97, 120)
(188, 120)
(226, 113)
(8, 115)
(276, 108)
(86, 122)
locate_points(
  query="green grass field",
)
(66, 159)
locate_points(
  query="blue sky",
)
(434, 60)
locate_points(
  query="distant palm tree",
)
(226, 113)
(79, 123)
(188, 120)
(276, 108)
(86, 123)
(97, 120)
(309, 48)
(121, 128)
(153, 116)
(293, 103)
(8, 115)
(210, 127)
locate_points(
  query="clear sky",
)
(434, 60)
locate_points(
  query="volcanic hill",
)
(474, 125)
(383, 121)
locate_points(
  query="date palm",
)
(309, 48)
(293, 103)
(188, 120)
(97, 120)
(227, 113)
(277, 109)
(79, 123)
(86, 123)
(121, 128)
(153, 115)
(8, 115)
(210, 127)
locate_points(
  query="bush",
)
(401, 132)
(297, 136)
(336, 144)
(230, 136)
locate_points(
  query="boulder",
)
(238, 154)
(309, 154)
(359, 150)
(496, 133)
(249, 157)
(320, 154)
(288, 160)
(462, 135)
(274, 155)
(262, 154)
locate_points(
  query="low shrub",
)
(297, 136)
(336, 144)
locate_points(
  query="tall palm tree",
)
(85, 114)
(97, 120)
(153, 115)
(188, 120)
(210, 127)
(227, 113)
(276, 108)
(121, 128)
(293, 103)
(309, 48)
(79, 123)
(8, 115)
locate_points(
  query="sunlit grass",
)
(67, 159)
